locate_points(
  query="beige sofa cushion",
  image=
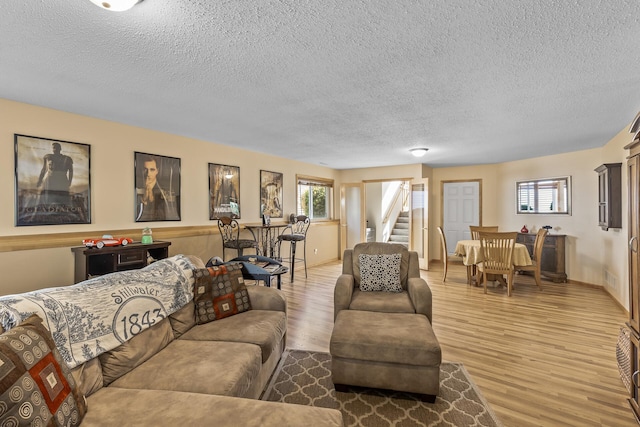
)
(137, 350)
(183, 319)
(209, 367)
(385, 302)
(159, 408)
(88, 376)
(264, 328)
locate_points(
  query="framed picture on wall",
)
(157, 187)
(270, 194)
(52, 181)
(224, 191)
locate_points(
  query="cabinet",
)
(633, 164)
(552, 265)
(609, 195)
(91, 262)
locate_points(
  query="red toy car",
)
(107, 240)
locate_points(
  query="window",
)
(546, 196)
(314, 197)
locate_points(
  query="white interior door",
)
(420, 221)
(461, 208)
(352, 215)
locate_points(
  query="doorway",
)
(461, 207)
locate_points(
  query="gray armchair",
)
(415, 296)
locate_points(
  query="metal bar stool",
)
(230, 234)
(294, 233)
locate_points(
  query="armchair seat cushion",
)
(382, 301)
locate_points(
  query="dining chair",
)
(497, 256)
(230, 234)
(475, 229)
(445, 255)
(294, 233)
(536, 259)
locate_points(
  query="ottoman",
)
(395, 351)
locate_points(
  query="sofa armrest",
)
(265, 298)
(342, 293)
(420, 295)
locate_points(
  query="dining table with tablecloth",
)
(471, 255)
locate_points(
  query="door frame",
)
(343, 214)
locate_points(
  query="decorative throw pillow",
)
(380, 272)
(219, 292)
(36, 386)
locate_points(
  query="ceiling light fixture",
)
(116, 5)
(418, 152)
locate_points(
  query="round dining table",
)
(471, 255)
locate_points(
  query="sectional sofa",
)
(138, 354)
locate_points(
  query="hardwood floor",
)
(541, 358)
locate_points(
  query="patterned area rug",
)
(304, 377)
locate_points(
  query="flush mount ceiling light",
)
(116, 5)
(418, 152)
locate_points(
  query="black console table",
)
(90, 262)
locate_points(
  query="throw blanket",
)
(97, 315)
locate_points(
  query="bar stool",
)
(294, 233)
(230, 234)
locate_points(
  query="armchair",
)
(415, 296)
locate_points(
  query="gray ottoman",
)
(395, 351)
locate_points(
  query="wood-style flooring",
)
(540, 358)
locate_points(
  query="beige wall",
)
(112, 192)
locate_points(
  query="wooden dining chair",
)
(497, 256)
(475, 235)
(476, 229)
(536, 259)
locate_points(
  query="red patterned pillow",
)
(219, 292)
(36, 386)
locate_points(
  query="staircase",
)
(400, 232)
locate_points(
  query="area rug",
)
(304, 378)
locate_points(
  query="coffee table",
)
(257, 267)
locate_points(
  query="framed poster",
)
(52, 180)
(224, 191)
(271, 194)
(157, 183)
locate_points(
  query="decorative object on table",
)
(106, 240)
(271, 194)
(292, 218)
(224, 191)
(547, 227)
(266, 220)
(524, 229)
(147, 236)
(157, 187)
(52, 181)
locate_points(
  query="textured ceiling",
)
(344, 83)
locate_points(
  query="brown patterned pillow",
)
(219, 292)
(36, 386)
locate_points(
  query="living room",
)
(590, 251)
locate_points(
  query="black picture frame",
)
(224, 191)
(271, 194)
(52, 181)
(160, 202)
